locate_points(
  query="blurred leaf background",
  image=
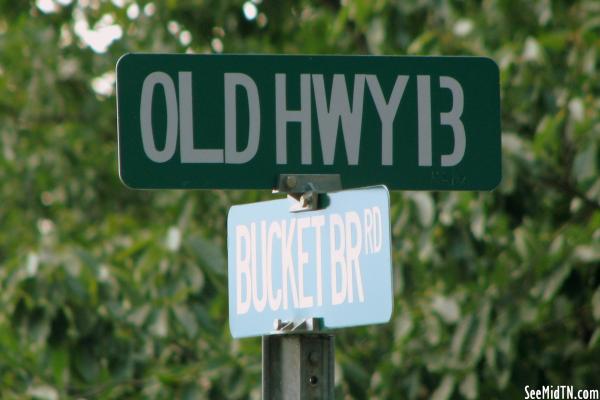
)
(109, 293)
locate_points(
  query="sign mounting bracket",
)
(306, 188)
(306, 325)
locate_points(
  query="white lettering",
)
(368, 216)
(274, 297)
(283, 116)
(232, 155)
(242, 268)
(378, 230)
(526, 392)
(317, 222)
(337, 258)
(353, 248)
(339, 108)
(387, 113)
(158, 78)
(452, 119)
(304, 301)
(424, 119)
(259, 302)
(287, 264)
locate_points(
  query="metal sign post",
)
(298, 365)
(318, 259)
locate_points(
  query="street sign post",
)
(332, 264)
(307, 125)
(240, 121)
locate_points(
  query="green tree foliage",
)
(111, 293)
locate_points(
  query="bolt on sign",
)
(334, 263)
(239, 121)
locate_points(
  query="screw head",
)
(290, 181)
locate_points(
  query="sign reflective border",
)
(239, 121)
(333, 263)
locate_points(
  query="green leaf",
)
(59, 362)
(42, 392)
(445, 388)
(187, 319)
(479, 339)
(460, 335)
(547, 141)
(86, 364)
(468, 387)
(555, 281)
(447, 308)
(208, 253)
(596, 304)
(191, 391)
(425, 207)
(160, 326)
(586, 162)
(139, 316)
(355, 372)
(594, 340)
(587, 253)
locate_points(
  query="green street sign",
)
(239, 121)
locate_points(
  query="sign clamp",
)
(306, 325)
(306, 188)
